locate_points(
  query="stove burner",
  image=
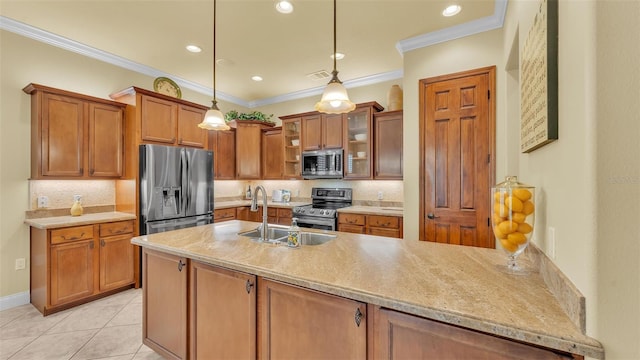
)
(325, 202)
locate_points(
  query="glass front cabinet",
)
(291, 129)
(358, 132)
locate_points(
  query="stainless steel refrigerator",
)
(176, 188)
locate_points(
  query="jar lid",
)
(511, 181)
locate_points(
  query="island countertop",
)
(459, 285)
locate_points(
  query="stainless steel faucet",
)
(254, 207)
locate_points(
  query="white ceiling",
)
(150, 36)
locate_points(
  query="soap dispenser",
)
(293, 238)
(76, 208)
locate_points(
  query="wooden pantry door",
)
(457, 142)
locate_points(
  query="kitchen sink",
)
(278, 234)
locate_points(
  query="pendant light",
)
(213, 118)
(335, 99)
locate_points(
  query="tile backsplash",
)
(60, 192)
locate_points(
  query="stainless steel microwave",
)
(322, 164)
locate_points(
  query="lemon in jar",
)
(525, 228)
(522, 194)
(513, 203)
(508, 245)
(508, 226)
(518, 217)
(528, 207)
(517, 238)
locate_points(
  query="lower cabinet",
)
(245, 213)
(222, 313)
(164, 314)
(281, 216)
(401, 336)
(220, 215)
(380, 225)
(297, 323)
(74, 265)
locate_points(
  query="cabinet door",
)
(62, 136)
(223, 313)
(189, 134)
(159, 120)
(332, 131)
(358, 144)
(297, 323)
(401, 336)
(116, 261)
(106, 140)
(248, 146)
(72, 270)
(224, 154)
(387, 146)
(291, 134)
(356, 229)
(272, 154)
(164, 317)
(312, 132)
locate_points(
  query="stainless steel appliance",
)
(322, 164)
(322, 213)
(176, 188)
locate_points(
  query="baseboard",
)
(10, 301)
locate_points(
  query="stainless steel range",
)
(322, 213)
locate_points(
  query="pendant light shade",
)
(335, 99)
(213, 118)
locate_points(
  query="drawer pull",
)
(73, 237)
(102, 243)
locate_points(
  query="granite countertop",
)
(373, 210)
(55, 222)
(239, 203)
(459, 285)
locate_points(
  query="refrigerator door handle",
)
(184, 181)
(160, 226)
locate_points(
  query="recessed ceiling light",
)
(451, 10)
(224, 62)
(339, 56)
(256, 78)
(284, 7)
(194, 48)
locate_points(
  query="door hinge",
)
(488, 158)
(489, 222)
(488, 94)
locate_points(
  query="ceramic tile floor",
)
(109, 328)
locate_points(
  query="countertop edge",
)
(67, 221)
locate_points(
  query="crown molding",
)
(488, 23)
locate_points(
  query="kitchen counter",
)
(55, 222)
(373, 210)
(458, 285)
(239, 203)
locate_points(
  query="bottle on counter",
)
(248, 193)
(293, 238)
(76, 208)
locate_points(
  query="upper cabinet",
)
(358, 144)
(161, 119)
(248, 148)
(387, 145)
(223, 145)
(322, 131)
(75, 136)
(291, 129)
(272, 154)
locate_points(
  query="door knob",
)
(431, 216)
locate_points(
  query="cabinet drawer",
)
(354, 219)
(284, 213)
(220, 214)
(356, 229)
(273, 212)
(395, 233)
(71, 234)
(116, 228)
(391, 222)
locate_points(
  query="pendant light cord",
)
(214, 51)
(334, 36)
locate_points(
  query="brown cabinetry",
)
(165, 293)
(248, 148)
(272, 154)
(220, 215)
(244, 213)
(296, 323)
(281, 216)
(161, 119)
(401, 336)
(74, 136)
(322, 131)
(223, 145)
(222, 319)
(380, 225)
(77, 264)
(291, 144)
(358, 144)
(387, 145)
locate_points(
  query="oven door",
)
(317, 223)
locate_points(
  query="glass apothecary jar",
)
(513, 217)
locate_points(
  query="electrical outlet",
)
(380, 195)
(43, 201)
(551, 242)
(20, 264)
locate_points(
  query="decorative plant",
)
(255, 116)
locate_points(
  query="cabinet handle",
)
(248, 286)
(180, 265)
(91, 245)
(358, 317)
(73, 237)
(102, 242)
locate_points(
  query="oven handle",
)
(312, 221)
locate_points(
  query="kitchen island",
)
(444, 284)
